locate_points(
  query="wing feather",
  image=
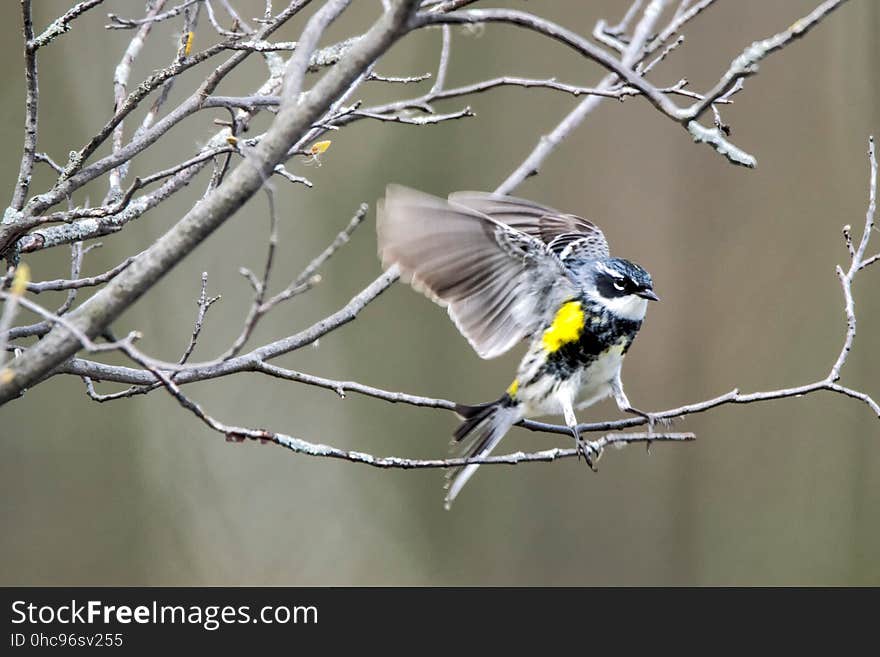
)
(497, 283)
(564, 234)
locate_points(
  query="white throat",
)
(631, 306)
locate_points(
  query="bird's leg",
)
(581, 445)
(624, 405)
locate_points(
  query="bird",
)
(509, 270)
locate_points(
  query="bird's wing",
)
(566, 235)
(498, 284)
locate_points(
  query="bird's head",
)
(620, 286)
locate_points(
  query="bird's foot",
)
(590, 453)
(652, 418)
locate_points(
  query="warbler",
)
(507, 269)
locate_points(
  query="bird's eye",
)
(619, 286)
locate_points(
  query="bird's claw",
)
(582, 446)
(589, 452)
(651, 418)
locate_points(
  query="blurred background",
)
(139, 492)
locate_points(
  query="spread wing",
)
(497, 283)
(566, 235)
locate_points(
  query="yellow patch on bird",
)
(566, 327)
(512, 388)
(188, 43)
(21, 279)
(320, 147)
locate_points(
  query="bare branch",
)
(716, 138)
(30, 114)
(120, 83)
(62, 24)
(744, 65)
(117, 23)
(443, 67)
(89, 228)
(204, 302)
(375, 77)
(76, 176)
(683, 15)
(856, 264)
(43, 157)
(298, 65)
(76, 258)
(191, 17)
(621, 68)
(239, 21)
(220, 29)
(415, 120)
(747, 63)
(92, 228)
(313, 449)
(81, 337)
(260, 286)
(341, 240)
(659, 58)
(870, 261)
(61, 284)
(548, 143)
(294, 120)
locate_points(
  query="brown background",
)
(139, 492)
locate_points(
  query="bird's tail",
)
(483, 428)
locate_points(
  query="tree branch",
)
(294, 119)
(30, 115)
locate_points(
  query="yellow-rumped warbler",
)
(508, 269)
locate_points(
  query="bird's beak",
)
(649, 294)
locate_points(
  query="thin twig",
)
(662, 56)
(220, 29)
(307, 279)
(375, 77)
(118, 23)
(120, 85)
(191, 17)
(747, 63)
(339, 241)
(548, 143)
(683, 15)
(260, 286)
(43, 157)
(431, 119)
(62, 284)
(204, 302)
(608, 34)
(61, 24)
(76, 258)
(443, 66)
(31, 104)
(83, 339)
